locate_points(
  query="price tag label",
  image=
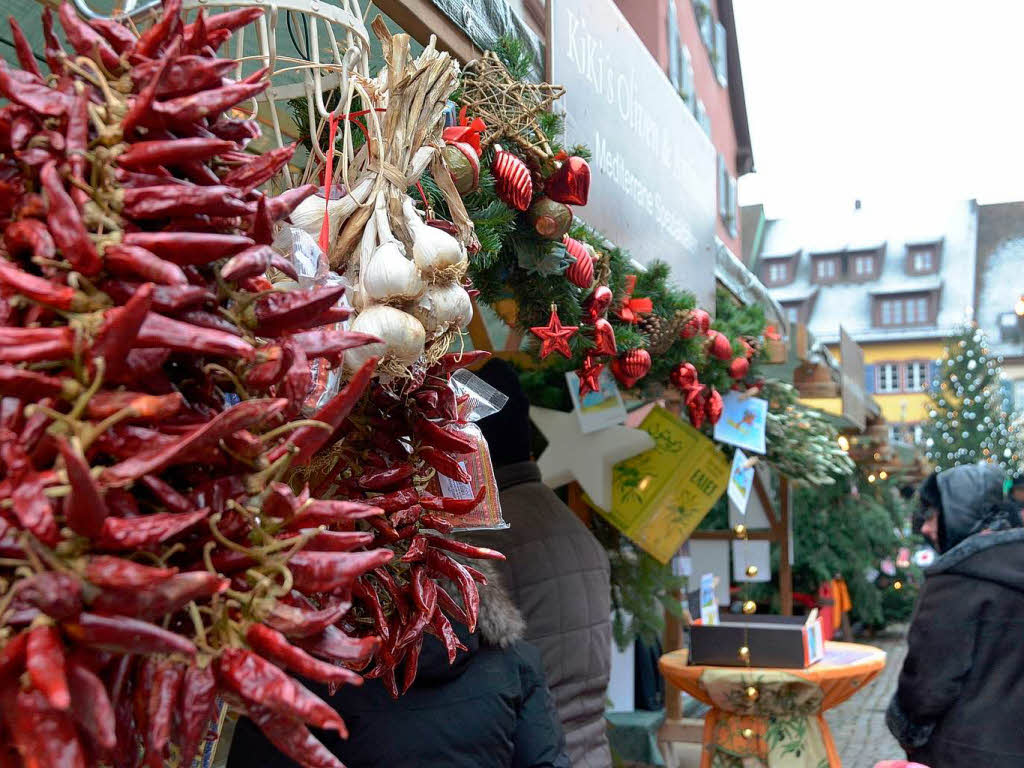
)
(454, 489)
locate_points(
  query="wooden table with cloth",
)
(773, 718)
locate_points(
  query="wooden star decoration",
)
(554, 336)
(508, 107)
(587, 459)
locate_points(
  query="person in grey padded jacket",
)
(556, 572)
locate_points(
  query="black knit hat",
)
(508, 431)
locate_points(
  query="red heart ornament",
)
(604, 338)
(570, 183)
(597, 304)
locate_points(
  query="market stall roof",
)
(744, 285)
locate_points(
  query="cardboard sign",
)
(743, 422)
(741, 481)
(708, 604)
(851, 368)
(659, 496)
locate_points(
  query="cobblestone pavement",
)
(858, 725)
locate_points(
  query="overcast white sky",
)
(883, 100)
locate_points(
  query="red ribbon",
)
(325, 228)
(631, 309)
(467, 132)
(770, 332)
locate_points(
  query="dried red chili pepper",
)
(166, 28)
(424, 591)
(52, 50)
(392, 502)
(124, 635)
(206, 104)
(91, 707)
(440, 624)
(31, 506)
(274, 646)
(84, 508)
(165, 298)
(195, 709)
(160, 331)
(435, 435)
(407, 516)
(255, 261)
(85, 40)
(160, 599)
(337, 541)
(291, 737)
(42, 290)
(334, 645)
(186, 74)
(12, 656)
(412, 660)
(282, 205)
(43, 735)
(118, 35)
(166, 495)
(119, 331)
(238, 131)
(204, 319)
(453, 506)
(327, 571)
(47, 666)
(163, 700)
(444, 566)
(444, 463)
(139, 405)
(462, 548)
(280, 311)
(330, 343)
(58, 595)
(133, 261)
(260, 169)
(140, 532)
(417, 550)
(23, 49)
(31, 237)
(260, 682)
(386, 479)
(455, 360)
(118, 573)
(229, 20)
(308, 440)
(140, 109)
(77, 142)
(169, 200)
(66, 226)
(295, 622)
(143, 155)
(448, 604)
(32, 93)
(185, 248)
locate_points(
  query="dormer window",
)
(778, 269)
(923, 258)
(864, 266)
(827, 269)
(903, 310)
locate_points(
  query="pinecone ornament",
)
(661, 332)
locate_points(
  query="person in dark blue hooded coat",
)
(490, 709)
(960, 700)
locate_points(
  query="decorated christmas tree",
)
(968, 414)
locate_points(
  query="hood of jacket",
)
(967, 493)
(499, 624)
(997, 557)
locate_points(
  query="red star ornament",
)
(590, 375)
(554, 336)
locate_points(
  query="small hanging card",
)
(741, 481)
(597, 410)
(708, 604)
(487, 514)
(743, 422)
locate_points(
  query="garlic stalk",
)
(309, 214)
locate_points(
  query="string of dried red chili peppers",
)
(153, 555)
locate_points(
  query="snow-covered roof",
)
(1000, 287)
(777, 256)
(893, 228)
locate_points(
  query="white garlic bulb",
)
(442, 308)
(390, 276)
(401, 334)
(309, 214)
(433, 250)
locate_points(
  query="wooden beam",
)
(785, 569)
(421, 19)
(766, 502)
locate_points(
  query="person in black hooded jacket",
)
(490, 709)
(961, 690)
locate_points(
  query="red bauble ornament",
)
(719, 346)
(554, 336)
(714, 407)
(590, 374)
(570, 184)
(581, 271)
(632, 366)
(739, 368)
(684, 376)
(597, 304)
(699, 322)
(604, 338)
(512, 181)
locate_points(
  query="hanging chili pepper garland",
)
(162, 426)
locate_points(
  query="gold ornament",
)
(747, 733)
(750, 607)
(745, 653)
(751, 571)
(740, 530)
(752, 693)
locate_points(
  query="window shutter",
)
(673, 45)
(869, 379)
(689, 90)
(707, 25)
(933, 372)
(732, 207)
(721, 51)
(723, 188)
